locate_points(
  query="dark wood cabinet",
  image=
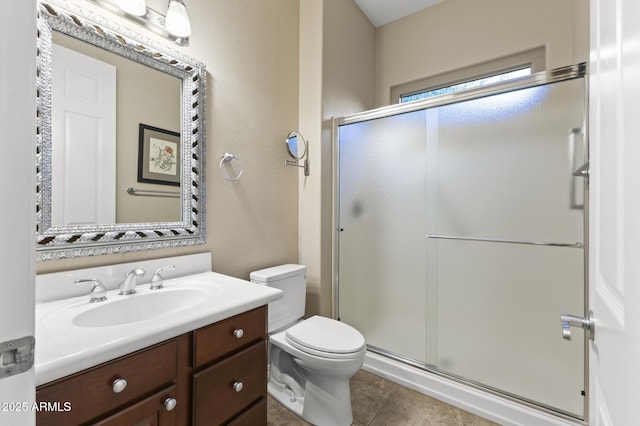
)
(230, 375)
(218, 340)
(156, 410)
(214, 375)
(229, 387)
(109, 386)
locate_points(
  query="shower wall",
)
(461, 238)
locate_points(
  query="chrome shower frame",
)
(556, 75)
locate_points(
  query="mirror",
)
(296, 149)
(128, 174)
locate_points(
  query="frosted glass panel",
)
(498, 319)
(504, 171)
(504, 165)
(382, 245)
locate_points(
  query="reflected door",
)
(83, 107)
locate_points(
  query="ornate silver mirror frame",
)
(56, 242)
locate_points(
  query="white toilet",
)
(311, 361)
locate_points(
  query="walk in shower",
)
(460, 235)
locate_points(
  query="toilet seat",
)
(326, 338)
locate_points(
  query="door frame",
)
(17, 252)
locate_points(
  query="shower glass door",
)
(462, 238)
(382, 243)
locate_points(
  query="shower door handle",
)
(577, 171)
(585, 323)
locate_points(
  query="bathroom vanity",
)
(209, 376)
(193, 352)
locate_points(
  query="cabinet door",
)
(225, 389)
(91, 393)
(157, 410)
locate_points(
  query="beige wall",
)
(337, 45)
(457, 33)
(250, 49)
(309, 232)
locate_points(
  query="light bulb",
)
(177, 22)
(133, 7)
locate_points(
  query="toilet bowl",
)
(312, 360)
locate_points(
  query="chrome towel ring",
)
(227, 158)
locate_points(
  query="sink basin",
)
(139, 307)
(74, 334)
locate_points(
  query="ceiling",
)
(381, 12)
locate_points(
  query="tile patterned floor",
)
(379, 402)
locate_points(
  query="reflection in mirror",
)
(295, 148)
(98, 101)
(116, 111)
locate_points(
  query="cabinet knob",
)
(237, 386)
(170, 404)
(238, 332)
(119, 385)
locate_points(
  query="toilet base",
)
(313, 387)
(285, 397)
(317, 404)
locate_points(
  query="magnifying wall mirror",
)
(297, 147)
(138, 185)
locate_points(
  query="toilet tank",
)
(292, 280)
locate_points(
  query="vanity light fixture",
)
(177, 21)
(175, 26)
(133, 7)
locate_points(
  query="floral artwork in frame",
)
(158, 156)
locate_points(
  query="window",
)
(471, 84)
(490, 72)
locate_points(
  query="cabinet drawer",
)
(154, 410)
(91, 392)
(215, 341)
(216, 393)
(256, 415)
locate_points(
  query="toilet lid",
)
(326, 336)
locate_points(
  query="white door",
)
(83, 108)
(17, 214)
(615, 209)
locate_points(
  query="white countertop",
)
(64, 348)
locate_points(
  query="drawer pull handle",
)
(238, 332)
(119, 385)
(237, 386)
(170, 404)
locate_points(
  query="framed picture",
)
(158, 156)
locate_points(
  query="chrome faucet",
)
(98, 292)
(128, 286)
(157, 279)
